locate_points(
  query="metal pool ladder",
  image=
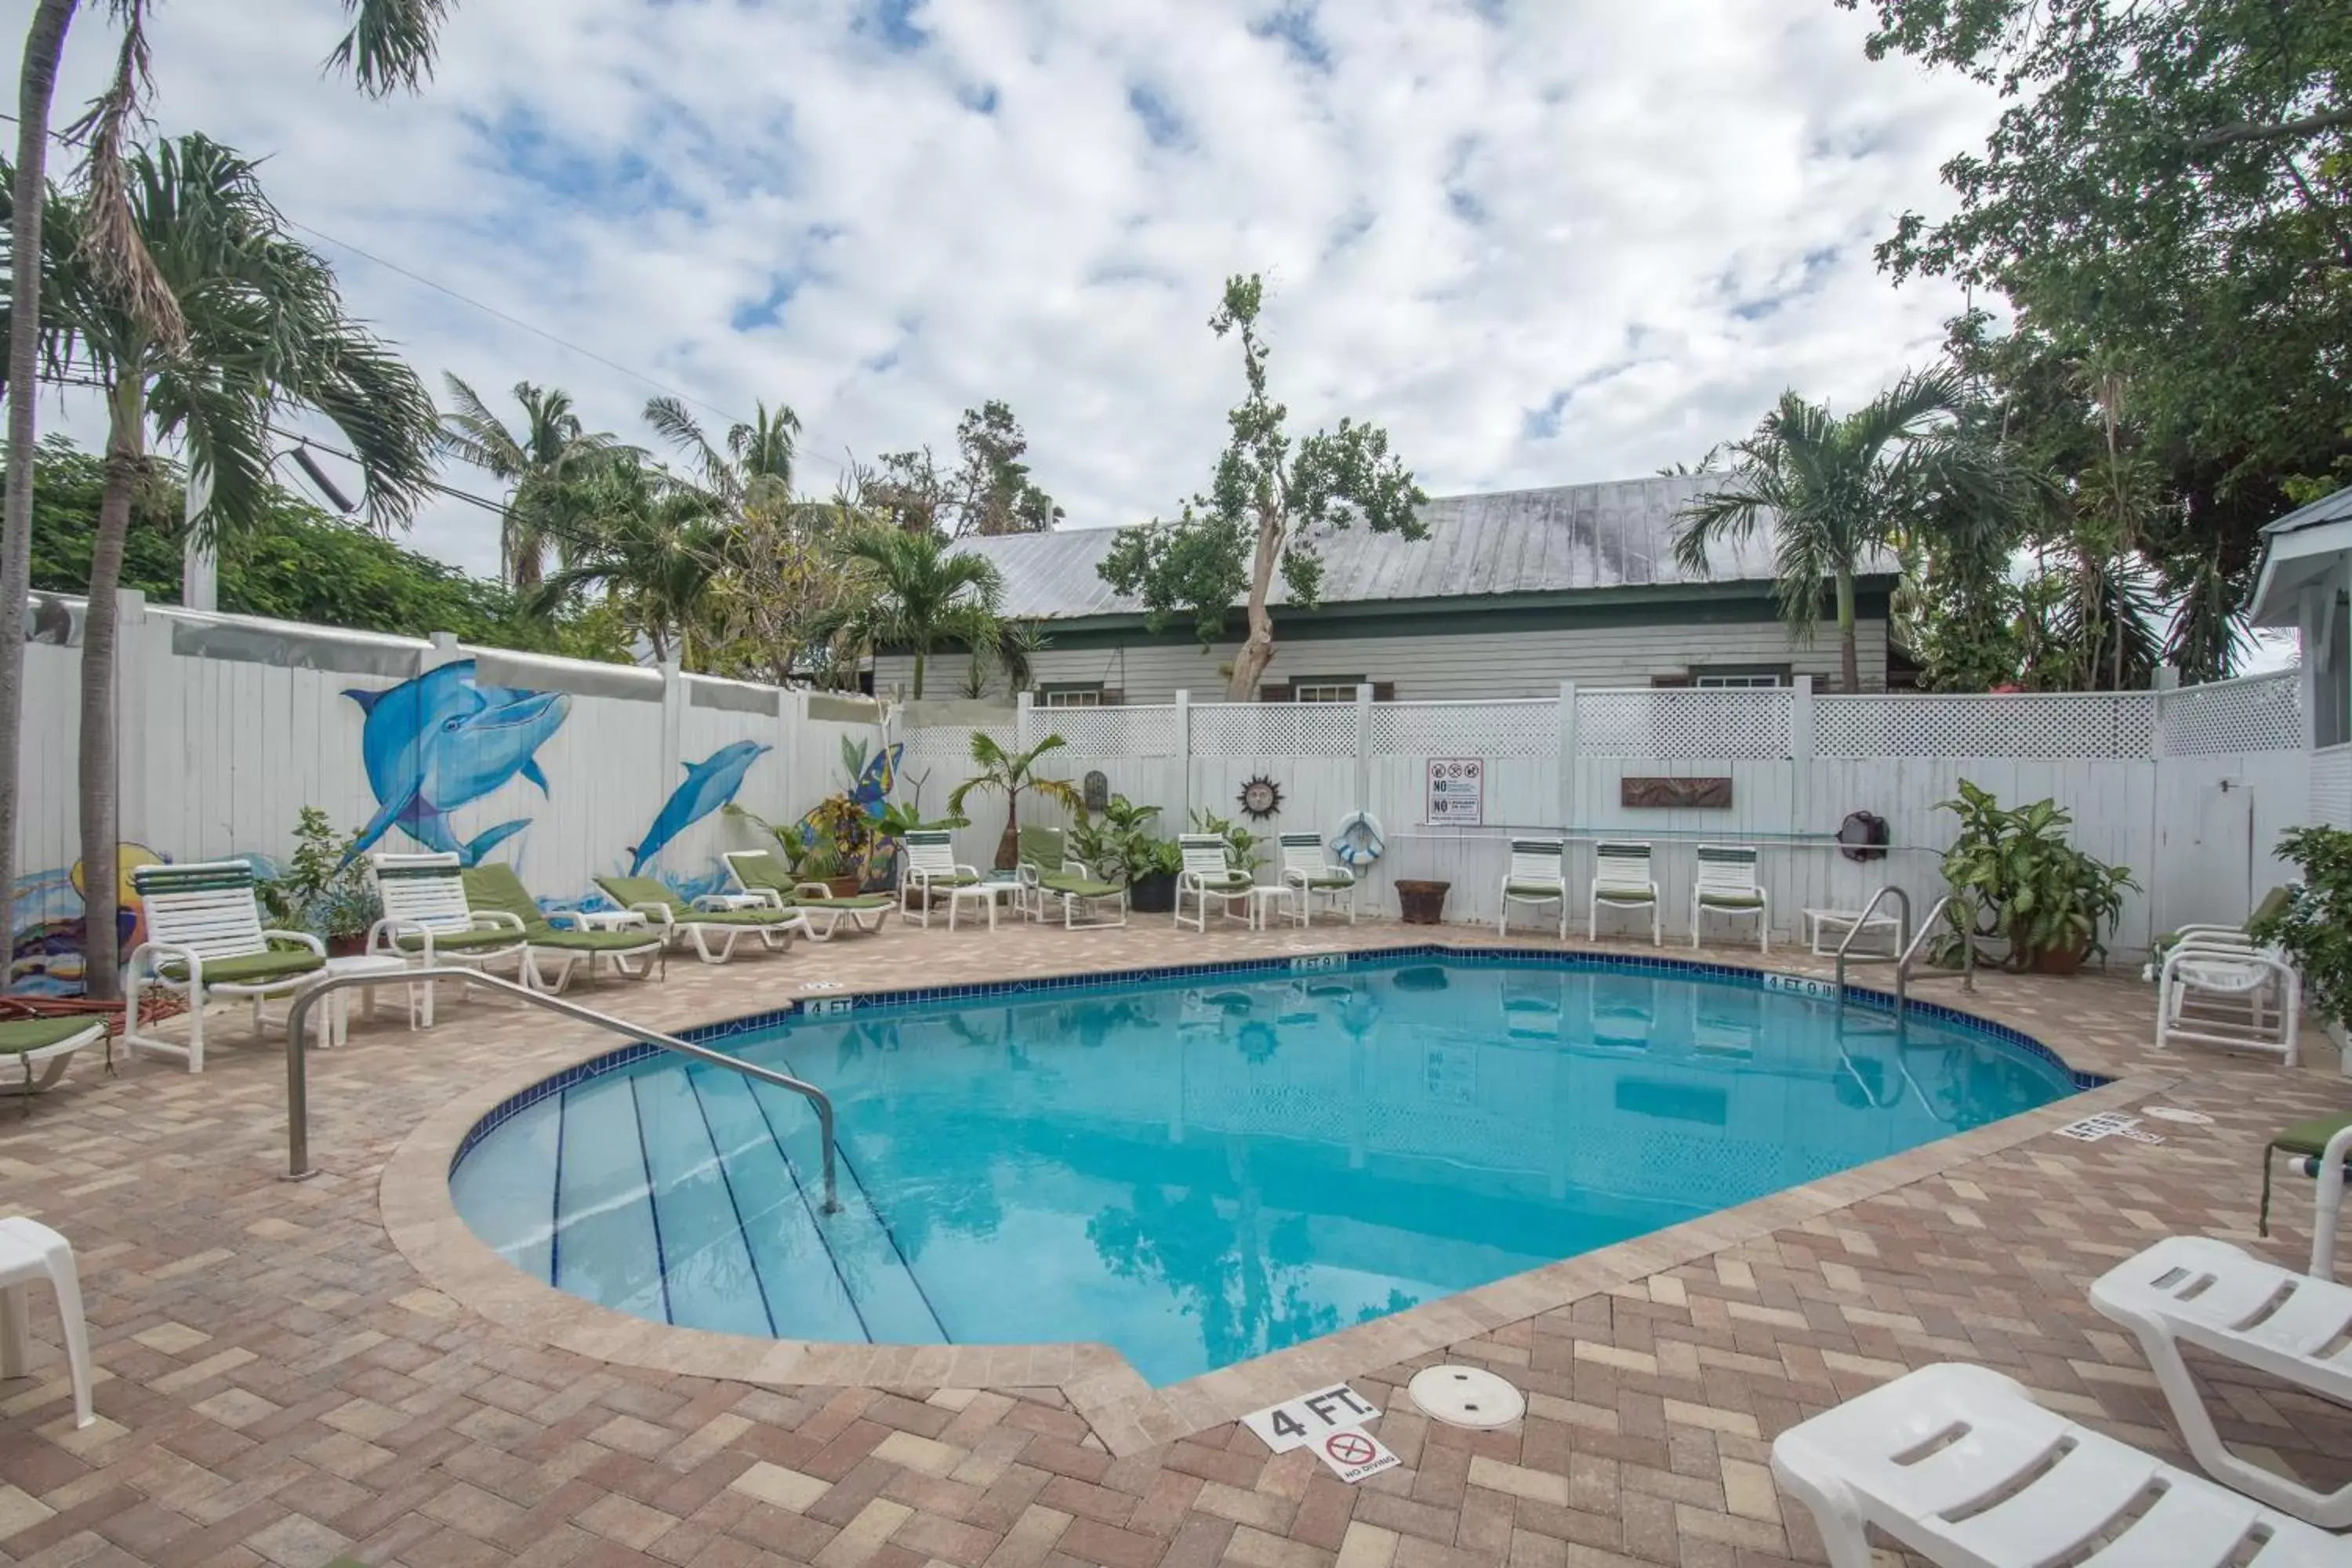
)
(1909, 951)
(298, 1019)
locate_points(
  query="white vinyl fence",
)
(2188, 788)
(230, 725)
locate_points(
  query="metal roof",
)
(1564, 539)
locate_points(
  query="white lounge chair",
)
(1208, 873)
(2208, 1293)
(931, 868)
(2218, 989)
(1959, 1464)
(1727, 885)
(712, 932)
(2320, 1148)
(1538, 875)
(427, 922)
(49, 1044)
(758, 873)
(1621, 879)
(1051, 878)
(31, 1252)
(1306, 869)
(205, 939)
(622, 941)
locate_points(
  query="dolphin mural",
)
(434, 743)
(709, 784)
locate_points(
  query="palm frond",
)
(391, 43)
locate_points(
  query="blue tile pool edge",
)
(1293, 963)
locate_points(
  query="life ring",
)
(1359, 842)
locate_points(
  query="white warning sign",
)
(1353, 1453)
(1311, 1418)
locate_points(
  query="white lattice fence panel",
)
(1273, 729)
(1142, 732)
(1683, 722)
(2262, 714)
(949, 744)
(2086, 724)
(2331, 786)
(1466, 729)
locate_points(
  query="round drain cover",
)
(2174, 1113)
(1466, 1396)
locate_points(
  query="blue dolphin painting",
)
(709, 784)
(434, 743)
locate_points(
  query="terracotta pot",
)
(1422, 903)
(2059, 961)
(347, 946)
(844, 887)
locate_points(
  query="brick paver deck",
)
(280, 1384)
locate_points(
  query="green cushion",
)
(495, 887)
(1331, 879)
(753, 918)
(555, 941)
(1079, 887)
(18, 1035)
(862, 902)
(949, 879)
(1721, 900)
(1535, 889)
(250, 968)
(631, 891)
(460, 940)
(1044, 847)
(761, 872)
(2310, 1137)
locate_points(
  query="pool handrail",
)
(298, 1019)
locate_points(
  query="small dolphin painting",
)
(709, 784)
(434, 743)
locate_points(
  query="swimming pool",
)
(1203, 1167)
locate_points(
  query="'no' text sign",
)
(1311, 1417)
(1353, 1454)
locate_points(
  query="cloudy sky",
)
(1542, 241)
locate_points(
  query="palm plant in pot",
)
(2014, 876)
(1009, 773)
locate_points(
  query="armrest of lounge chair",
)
(812, 890)
(155, 955)
(496, 920)
(302, 938)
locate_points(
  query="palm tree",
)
(1011, 773)
(651, 544)
(755, 468)
(551, 448)
(265, 334)
(910, 591)
(1839, 491)
(389, 43)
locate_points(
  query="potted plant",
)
(1011, 773)
(317, 892)
(1240, 843)
(846, 834)
(2315, 929)
(1119, 847)
(2013, 875)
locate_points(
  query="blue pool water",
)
(1200, 1169)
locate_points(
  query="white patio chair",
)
(758, 873)
(2216, 989)
(931, 866)
(710, 925)
(1727, 885)
(1207, 874)
(1538, 875)
(1620, 878)
(1959, 1464)
(426, 920)
(2207, 1293)
(30, 1253)
(1306, 869)
(205, 939)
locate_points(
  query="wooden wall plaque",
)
(1670, 794)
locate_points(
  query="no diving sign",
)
(1331, 1422)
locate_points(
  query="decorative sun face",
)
(1261, 797)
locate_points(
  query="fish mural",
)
(434, 743)
(709, 784)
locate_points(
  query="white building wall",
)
(1434, 668)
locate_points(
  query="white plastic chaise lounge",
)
(1621, 879)
(1727, 885)
(49, 1044)
(1050, 877)
(1209, 873)
(2196, 1290)
(758, 873)
(931, 868)
(711, 933)
(624, 941)
(2221, 989)
(427, 922)
(206, 940)
(1538, 875)
(1312, 875)
(1959, 1464)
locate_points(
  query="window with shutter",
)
(1383, 690)
(1272, 693)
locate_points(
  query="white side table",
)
(335, 1027)
(989, 893)
(1825, 929)
(605, 920)
(733, 901)
(1264, 895)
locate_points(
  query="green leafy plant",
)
(1011, 773)
(1240, 842)
(2014, 876)
(311, 894)
(1118, 844)
(2315, 927)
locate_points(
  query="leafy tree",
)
(651, 545)
(1266, 510)
(910, 590)
(1008, 774)
(265, 332)
(550, 450)
(389, 43)
(2167, 190)
(988, 491)
(1843, 490)
(756, 465)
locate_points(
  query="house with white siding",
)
(1507, 595)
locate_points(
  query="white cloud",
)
(1544, 242)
